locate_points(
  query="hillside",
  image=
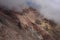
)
(27, 25)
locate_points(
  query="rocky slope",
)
(27, 25)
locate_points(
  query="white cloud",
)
(11, 4)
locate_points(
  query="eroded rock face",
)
(27, 25)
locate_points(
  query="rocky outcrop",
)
(27, 25)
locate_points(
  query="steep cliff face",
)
(27, 25)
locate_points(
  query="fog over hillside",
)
(49, 8)
(29, 20)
